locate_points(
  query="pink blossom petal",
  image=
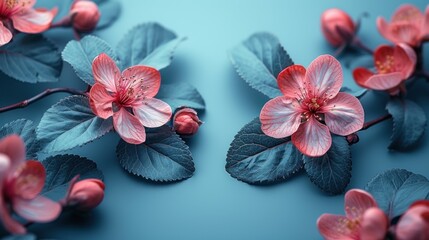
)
(384, 81)
(28, 180)
(101, 101)
(129, 127)
(384, 29)
(33, 20)
(291, 81)
(325, 77)
(5, 35)
(374, 224)
(405, 33)
(106, 72)
(405, 60)
(356, 202)
(343, 114)
(280, 117)
(335, 227)
(425, 32)
(414, 224)
(153, 112)
(312, 138)
(10, 224)
(408, 13)
(361, 75)
(39, 209)
(147, 79)
(13, 147)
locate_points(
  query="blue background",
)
(213, 205)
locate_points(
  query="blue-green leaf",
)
(31, 58)
(395, 190)
(181, 95)
(259, 60)
(80, 54)
(256, 158)
(61, 169)
(409, 123)
(148, 44)
(163, 157)
(357, 93)
(20, 237)
(332, 171)
(69, 124)
(27, 131)
(110, 11)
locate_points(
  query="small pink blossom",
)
(128, 97)
(393, 66)
(414, 224)
(312, 106)
(408, 25)
(337, 27)
(85, 15)
(20, 15)
(363, 219)
(186, 122)
(20, 185)
(86, 194)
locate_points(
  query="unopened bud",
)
(186, 122)
(337, 26)
(85, 15)
(86, 194)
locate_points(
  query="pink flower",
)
(337, 26)
(186, 122)
(20, 185)
(20, 15)
(312, 106)
(128, 97)
(408, 25)
(363, 220)
(393, 65)
(414, 224)
(86, 194)
(85, 15)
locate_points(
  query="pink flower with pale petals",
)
(408, 25)
(414, 224)
(128, 97)
(20, 185)
(394, 65)
(312, 107)
(20, 15)
(363, 220)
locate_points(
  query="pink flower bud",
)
(186, 122)
(85, 15)
(414, 224)
(86, 194)
(337, 26)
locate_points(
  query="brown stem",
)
(39, 96)
(354, 138)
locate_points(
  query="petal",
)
(13, 146)
(383, 58)
(5, 34)
(405, 60)
(153, 112)
(324, 76)
(374, 224)
(129, 127)
(33, 20)
(408, 13)
(413, 224)
(280, 117)
(101, 101)
(312, 138)
(336, 227)
(344, 114)
(106, 72)
(28, 180)
(384, 29)
(426, 23)
(384, 81)
(361, 75)
(39, 209)
(291, 81)
(405, 33)
(10, 224)
(356, 202)
(147, 79)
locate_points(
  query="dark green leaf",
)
(259, 60)
(332, 171)
(163, 157)
(395, 190)
(148, 44)
(27, 131)
(31, 58)
(259, 159)
(69, 124)
(80, 54)
(61, 169)
(181, 95)
(409, 123)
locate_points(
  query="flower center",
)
(312, 106)
(408, 15)
(131, 91)
(386, 66)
